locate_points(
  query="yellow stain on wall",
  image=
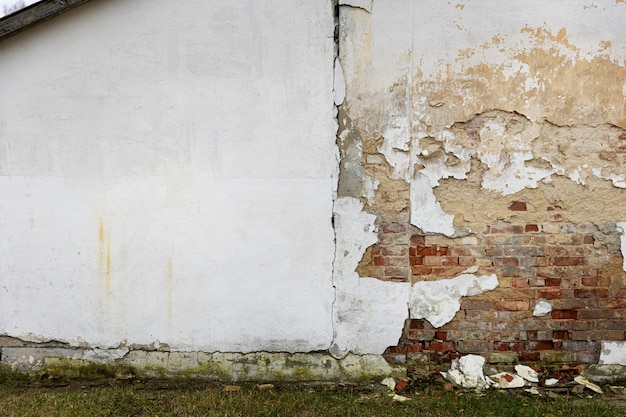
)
(170, 269)
(104, 253)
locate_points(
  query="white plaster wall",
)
(167, 173)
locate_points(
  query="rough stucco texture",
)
(496, 143)
(167, 174)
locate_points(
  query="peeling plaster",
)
(439, 301)
(426, 212)
(368, 314)
(621, 227)
(613, 353)
(362, 4)
(339, 84)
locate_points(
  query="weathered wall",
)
(167, 176)
(201, 188)
(492, 142)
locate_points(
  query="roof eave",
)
(34, 14)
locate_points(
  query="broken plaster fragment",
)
(467, 372)
(528, 373)
(542, 308)
(362, 4)
(506, 380)
(439, 301)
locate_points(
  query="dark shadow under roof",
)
(33, 14)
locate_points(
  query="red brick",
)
(523, 251)
(420, 270)
(415, 347)
(395, 250)
(604, 281)
(561, 335)
(564, 314)
(449, 261)
(591, 292)
(569, 261)
(512, 305)
(393, 271)
(432, 260)
(611, 325)
(531, 334)
(418, 240)
(529, 357)
(553, 282)
(519, 282)
(447, 271)
(469, 304)
(506, 261)
(460, 251)
(589, 240)
(416, 324)
(440, 335)
(539, 345)
(517, 206)
(530, 228)
(508, 229)
(587, 357)
(380, 261)
(557, 217)
(494, 252)
(551, 293)
(429, 251)
(467, 261)
(394, 228)
(395, 358)
(441, 346)
(589, 281)
(412, 251)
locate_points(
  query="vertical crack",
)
(335, 6)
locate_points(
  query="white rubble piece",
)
(551, 382)
(542, 308)
(398, 398)
(506, 380)
(439, 301)
(526, 372)
(389, 382)
(612, 353)
(588, 384)
(467, 372)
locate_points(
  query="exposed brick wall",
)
(575, 267)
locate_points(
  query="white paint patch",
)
(613, 353)
(339, 84)
(363, 4)
(166, 187)
(542, 308)
(617, 180)
(426, 212)
(439, 301)
(621, 227)
(368, 314)
(514, 176)
(395, 146)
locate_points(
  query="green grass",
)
(194, 398)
